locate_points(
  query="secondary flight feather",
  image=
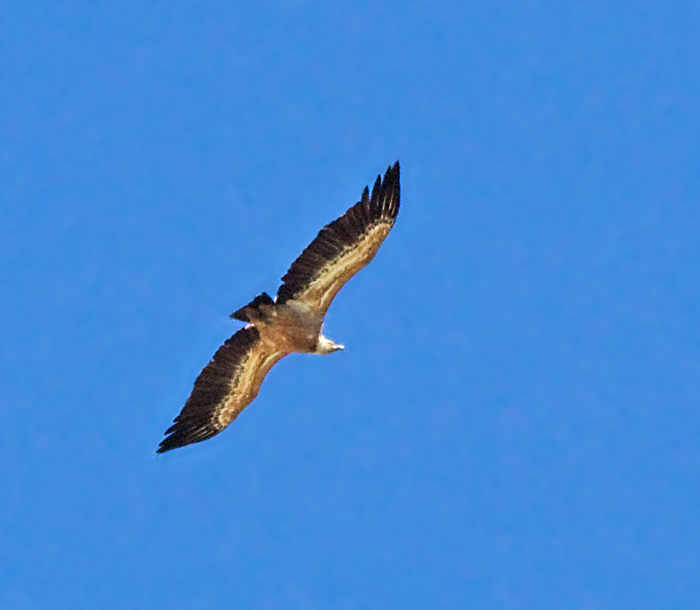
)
(292, 321)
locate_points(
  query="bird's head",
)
(326, 346)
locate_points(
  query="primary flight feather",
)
(292, 321)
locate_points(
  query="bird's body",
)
(290, 327)
(290, 323)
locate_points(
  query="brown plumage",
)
(290, 323)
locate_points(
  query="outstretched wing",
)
(226, 386)
(343, 247)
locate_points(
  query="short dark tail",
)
(243, 314)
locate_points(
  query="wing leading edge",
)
(344, 246)
(226, 386)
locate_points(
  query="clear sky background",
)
(515, 422)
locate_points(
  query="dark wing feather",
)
(344, 246)
(223, 389)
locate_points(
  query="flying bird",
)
(292, 321)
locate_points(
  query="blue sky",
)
(514, 423)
